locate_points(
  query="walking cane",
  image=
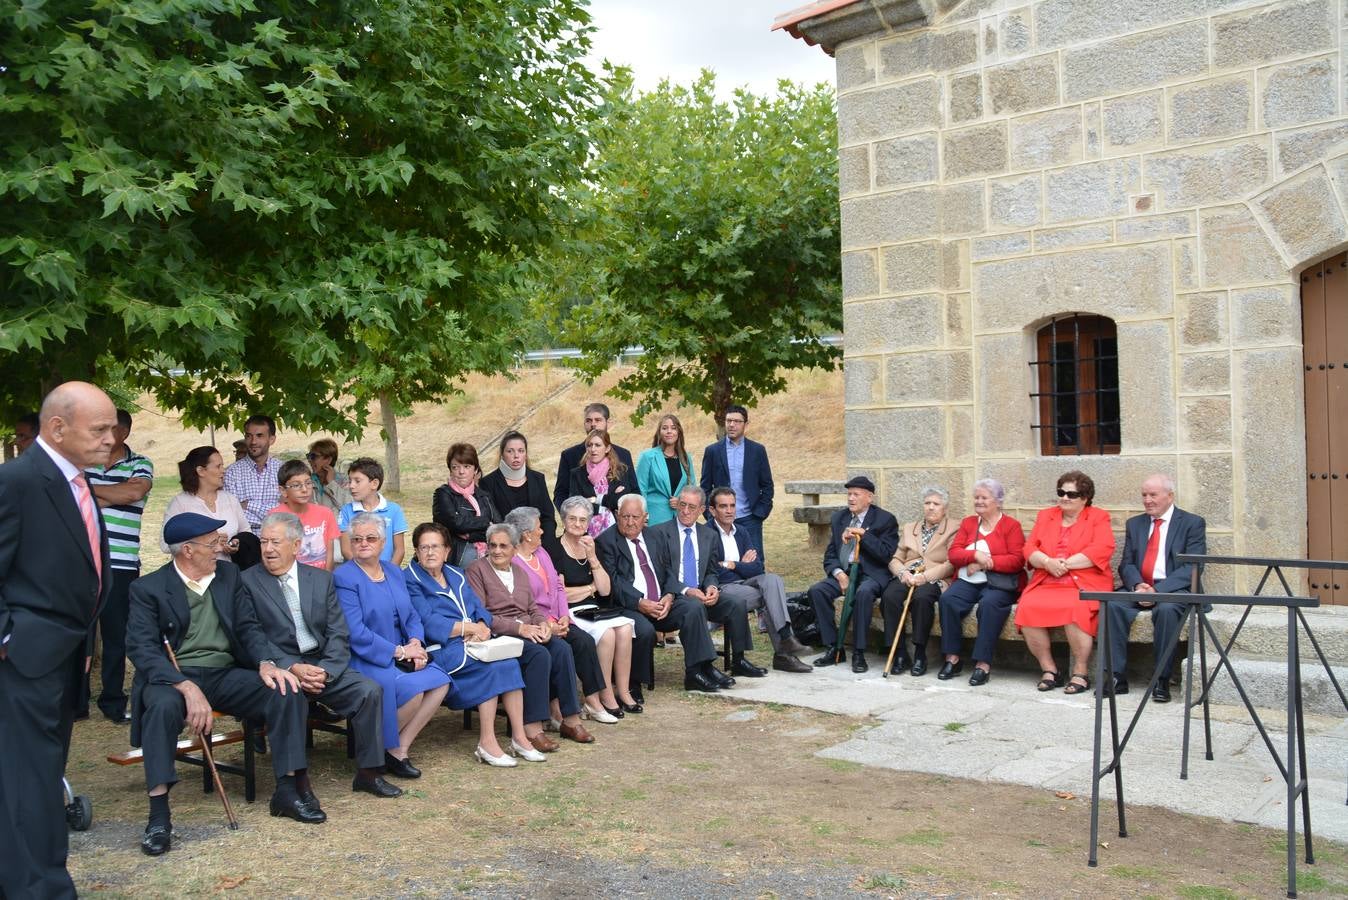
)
(898, 635)
(206, 752)
(838, 654)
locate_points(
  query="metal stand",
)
(1197, 619)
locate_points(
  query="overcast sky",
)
(675, 39)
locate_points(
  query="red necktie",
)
(1153, 547)
(652, 591)
(90, 517)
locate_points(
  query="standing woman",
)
(1069, 550)
(603, 479)
(513, 483)
(387, 641)
(462, 506)
(202, 475)
(664, 470)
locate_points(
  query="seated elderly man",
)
(306, 634)
(744, 577)
(878, 533)
(1148, 567)
(195, 604)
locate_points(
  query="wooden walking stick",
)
(898, 635)
(207, 754)
(838, 654)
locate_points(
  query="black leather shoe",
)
(743, 667)
(979, 677)
(919, 667)
(310, 798)
(290, 805)
(400, 768)
(1160, 693)
(156, 841)
(693, 680)
(1119, 687)
(785, 662)
(377, 786)
(900, 666)
(949, 670)
(615, 711)
(633, 708)
(830, 658)
(859, 663)
(719, 678)
(637, 697)
(322, 713)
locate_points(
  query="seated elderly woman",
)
(921, 569)
(547, 664)
(1069, 550)
(987, 550)
(387, 641)
(452, 614)
(550, 596)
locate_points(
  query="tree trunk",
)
(720, 392)
(389, 431)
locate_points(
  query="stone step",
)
(1265, 683)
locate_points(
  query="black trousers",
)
(112, 634)
(36, 715)
(238, 692)
(823, 593)
(732, 615)
(585, 655)
(643, 649)
(921, 613)
(690, 618)
(361, 700)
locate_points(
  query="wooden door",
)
(1324, 317)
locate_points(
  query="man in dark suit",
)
(197, 604)
(596, 418)
(1148, 566)
(688, 559)
(627, 554)
(54, 577)
(878, 532)
(741, 465)
(306, 634)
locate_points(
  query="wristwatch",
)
(266, 662)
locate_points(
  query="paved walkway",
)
(1007, 731)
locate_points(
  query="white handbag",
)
(497, 648)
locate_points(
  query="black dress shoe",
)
(919, 667)
(1119, 687)
(401, 768)
(377, 786)
(831, 657)
(1160, 693)
(979, 677)
(743, 667)
(156, 841)
(633, 708)
(289, 804)
(719, 678)
(614, 711)
(693, 680)
(323, 714)
(859, 663)
(950, 670)
(900, 666)
(310, 798)
(637, 697)
(785, 662)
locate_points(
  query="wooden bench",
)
(816, 515)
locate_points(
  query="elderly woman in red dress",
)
(1069, 551)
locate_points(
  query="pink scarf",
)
(598, 475)
(467, 493)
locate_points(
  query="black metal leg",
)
(1105, 670)
(1092, 858)
(1290, 773)
(1190, 621)
(1207, 695)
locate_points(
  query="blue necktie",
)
(689, 559)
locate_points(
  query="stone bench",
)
(811, 512)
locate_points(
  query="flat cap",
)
(185, 526)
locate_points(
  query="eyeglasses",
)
(430, 548)
(298, 485)
(311, 456)
(500, 547)
(214, 546)
(1070, 495)
(365, 539)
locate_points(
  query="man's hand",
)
(1144, 588)
(649, 608)
(278, 679)
(697, 594)
(713, 594)
(750, 556)
(312, 679)
(841, 577)
(851, 533)
(198, 708)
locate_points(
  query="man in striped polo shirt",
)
(120, 490)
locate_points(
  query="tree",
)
(305, 206)
(710, 238)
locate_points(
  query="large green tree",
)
(709, 236)
(303, 206)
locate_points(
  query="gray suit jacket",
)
(321, 611)
(665, 540)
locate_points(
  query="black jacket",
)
(536, 489)
(452, 510)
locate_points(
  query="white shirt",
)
(1158, 570)
(507, 577)
(730, 548)
(197, 587)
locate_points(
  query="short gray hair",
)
(577, 504)
(938, 491)
(524, 518)
(637, 497)
(289, 521)
(1166, 481)
(993, 487)
(369, 518)
(691, 489)
(505, 528)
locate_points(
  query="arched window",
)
(1077, 371)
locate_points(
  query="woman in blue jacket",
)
(664, 470)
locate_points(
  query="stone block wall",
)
(1170, 164)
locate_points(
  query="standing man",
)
(741, 465)
(120, 489)
(596, 416)
(1148, 567)
(878, 532)
(742, 577)
(53, 580)
(253, 478)
(25, 432)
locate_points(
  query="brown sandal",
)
(1050, 680)
(1074, 688)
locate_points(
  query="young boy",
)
(320, 525)
(366, 477)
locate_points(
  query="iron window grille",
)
(1077, 370)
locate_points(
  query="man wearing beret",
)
(878, 533)
(196, 603)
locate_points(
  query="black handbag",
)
(1004, 581)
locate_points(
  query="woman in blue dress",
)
(450, 611)
(386, 631)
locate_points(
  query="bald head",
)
(77, 422)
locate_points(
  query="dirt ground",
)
(700, 796)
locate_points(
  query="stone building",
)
(1104, 234)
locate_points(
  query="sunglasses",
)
(1070, 495)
